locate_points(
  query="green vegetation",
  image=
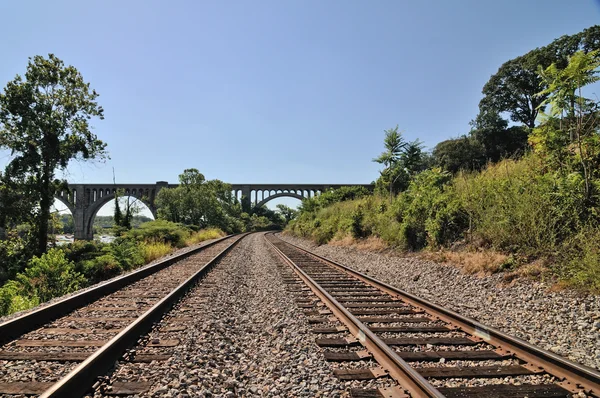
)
(64, 270)
(530, 192)
(44, 123)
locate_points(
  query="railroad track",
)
(402, 345)
(60, 350)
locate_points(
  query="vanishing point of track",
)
(419, 348)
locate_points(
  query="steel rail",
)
(82, 378)
(396, 367)
(18, 326)
(575, 377)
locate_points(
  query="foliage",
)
(402, 160)
(49, 276)
(204, 234)
(14, 299)
(497, 140)
(331, 196)
(153, 250)
(513, 89)
(200, 203)
(463, 153)
(570, 133)
(14, 255)
(286, 212)
(161, 231)
(517, 207)
(44, 121)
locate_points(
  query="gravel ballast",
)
(564, 322)
(248, 337)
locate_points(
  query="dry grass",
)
(472, 262)
(534, 270)
(372, 243)
(154, 250)
(204, 234)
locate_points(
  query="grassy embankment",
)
(68, 268)
(513, 216)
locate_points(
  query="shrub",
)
(14, 299)
(161, 231)
(50, 275)
(578, 261)
(13, 255)
(127, 252)
(101, 268)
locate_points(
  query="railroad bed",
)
(400, 345)
(60, 349)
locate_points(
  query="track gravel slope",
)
(564, 322)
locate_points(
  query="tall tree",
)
(497, 139)
(199, 202)
(287, 212)
(514, 88)
(394, 147)
(463, 153)
(577, 116)
(44, 122)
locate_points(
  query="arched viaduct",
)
(84, 200)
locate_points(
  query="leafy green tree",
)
(463, 153)
(497, 139)
(199, 202)
(400, 158)
(514, 88)
(287, 212)
(575, 116)
(394, 145)
(44, 119)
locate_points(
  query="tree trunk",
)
(44, 217)
(46, 197)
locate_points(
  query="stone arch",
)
(279, 195)
(101, 201)
(65, 201)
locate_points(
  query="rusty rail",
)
(575, 377)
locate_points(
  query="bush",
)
(161, 231)
(14, 299)
(13, 255)
(49, 276)
(578, 262)
(101, 268)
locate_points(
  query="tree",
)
(200, 203)
(287, 212)
(122, 220)
(514, 88)
(577, 116)
(463, 153)
(44, 121)
(394, 147)
(497, 139)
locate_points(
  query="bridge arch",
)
(65, 202)
(278, 195)
(107, 196)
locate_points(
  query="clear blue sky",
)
(279, 90)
